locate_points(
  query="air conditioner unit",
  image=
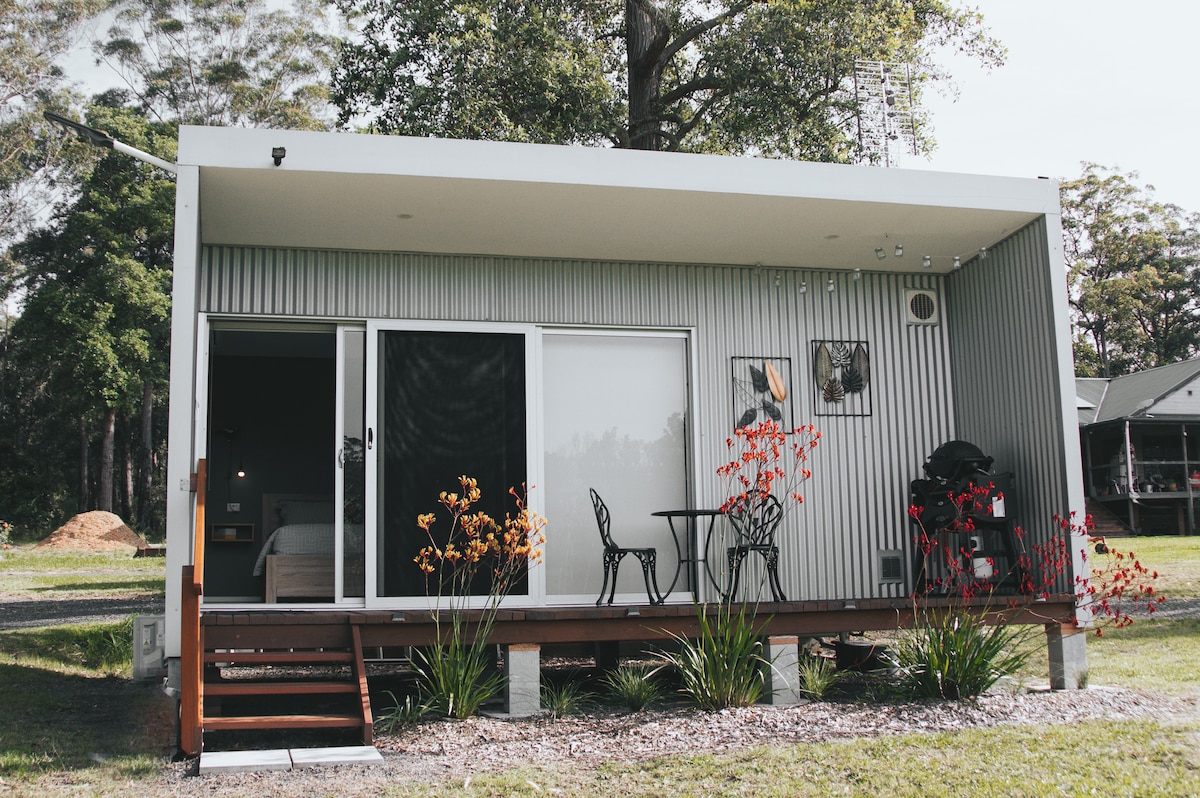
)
(922, 307)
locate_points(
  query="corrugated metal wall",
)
(857, 499)
(1006, 373)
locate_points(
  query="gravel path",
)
(25, 614)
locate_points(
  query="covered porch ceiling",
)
(385, 193)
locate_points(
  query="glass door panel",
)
(615, 410)
(352, 472)
(448, 403)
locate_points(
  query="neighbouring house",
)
(360, 319)
(1140, 436)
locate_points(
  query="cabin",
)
(1140, 436)
(359, 319)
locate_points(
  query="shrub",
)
(400, 714)
(724, 666)
(956, 655)
(634, 686)
(567, 698)
(458, 676)
(817, 676)
(106, 647)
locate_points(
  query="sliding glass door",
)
(614, 420)
(446, 402)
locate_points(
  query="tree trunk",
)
(82, 505)
(125, 486)
(104, 491)
(644, 41)
(145, 478)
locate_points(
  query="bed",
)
(297, 559)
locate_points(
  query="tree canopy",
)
(766, 77)
(93, 328)
(223, 62)
(34, 36)
(1133, 274)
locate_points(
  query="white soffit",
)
(391, 193)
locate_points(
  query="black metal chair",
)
(613, 554)
(756, 522)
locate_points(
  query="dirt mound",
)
(94, 531)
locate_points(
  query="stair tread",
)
(235, 722)
(279, 687)
(279, 657)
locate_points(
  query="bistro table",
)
(686, 546)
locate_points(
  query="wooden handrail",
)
(198, 529)
(191, 648)
(191, 669)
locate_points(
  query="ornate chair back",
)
(756, 521)
(602, 520)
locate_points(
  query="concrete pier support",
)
(523, 678)
(1067, 647)
(783, 675)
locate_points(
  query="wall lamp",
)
(278, 154)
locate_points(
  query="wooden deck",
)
(271, 628)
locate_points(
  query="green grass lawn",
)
(30, 573)
(1177, 560)
(69, 726)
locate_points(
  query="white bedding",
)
(308, 539)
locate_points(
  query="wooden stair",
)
(1107, 524)
(278, 694)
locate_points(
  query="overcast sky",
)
(1110, 82)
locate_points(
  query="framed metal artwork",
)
(841, 373)
(761, 391)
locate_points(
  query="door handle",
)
(370, 438)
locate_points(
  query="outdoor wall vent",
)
(891, 567)
(922, 307)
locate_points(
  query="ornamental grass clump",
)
(725, 665)
(634, 686)
(567, 698)
(818, 675)
(458, 675)
(957, 656)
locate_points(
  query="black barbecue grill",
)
(981, 533)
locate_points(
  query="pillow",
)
(300, 511)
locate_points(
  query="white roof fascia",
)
(352, 153)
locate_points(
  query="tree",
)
(93, 329)
(1132, 272)
(223, 62)
(34, 34)
(767, 77)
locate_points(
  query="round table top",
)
(686, 513)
